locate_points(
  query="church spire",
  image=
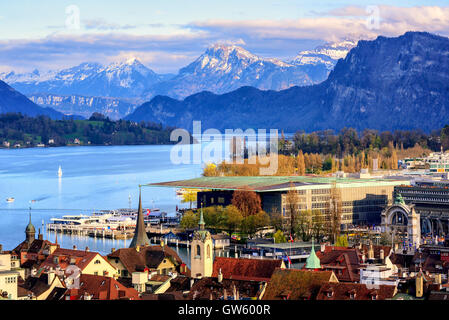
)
(30, 231)
(313, 262)
(140, 235)
(201, 222)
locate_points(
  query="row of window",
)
(10, 280)
(321, 191)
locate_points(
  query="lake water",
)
(94, 178)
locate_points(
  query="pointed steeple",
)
(140, 235)
(201, 222)
(313, 262)
(30, 231)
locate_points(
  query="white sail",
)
(60, 171)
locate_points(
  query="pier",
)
(122, 234)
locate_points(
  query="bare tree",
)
(334, 211)
(292, 204)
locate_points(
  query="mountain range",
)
(385, 84)
(13, 101)
(220, 69)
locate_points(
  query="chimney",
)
(87, 249)
(323, 247)
(112, 250)
(40, 236)
(363, 258)
(371, 252)
(381, 255)
(74, 247)
(220, 276)
(192, 282)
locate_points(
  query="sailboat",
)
(59, 172)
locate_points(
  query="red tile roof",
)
(245, 269)
(64, 257)
(146, 257)
(294, 284)
(346, 260)
(209, 288)
(102, 288)
(356, 291)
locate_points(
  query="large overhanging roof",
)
(273, 183)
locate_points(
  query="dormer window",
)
(330, 293)
(374, 297)
(352, 294)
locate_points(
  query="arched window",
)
(198, 250)
(208, 251)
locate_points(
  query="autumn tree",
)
(210, 170)
(189, 197)
(247, 201)
(300, 163)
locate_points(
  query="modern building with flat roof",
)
(362, 199)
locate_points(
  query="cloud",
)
(101, 24)
(164, 53)
(104, 41)
(335, 24)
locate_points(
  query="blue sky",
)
(168, 34)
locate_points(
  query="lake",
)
(94, 178)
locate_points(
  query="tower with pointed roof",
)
(313, 262)
(30, 232)
(201, 251)
(140, 235)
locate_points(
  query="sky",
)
(166, 35)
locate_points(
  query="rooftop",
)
(245, 269)
(274, 183)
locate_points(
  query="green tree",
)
(279, 237)
(232, 219)
(189, 220)
(214, 217)
(251, 224)
(342, 241)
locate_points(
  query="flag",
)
(289, 261)
(148, 212)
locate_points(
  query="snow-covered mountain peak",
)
(326, 54)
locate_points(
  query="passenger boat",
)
(10, 199)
